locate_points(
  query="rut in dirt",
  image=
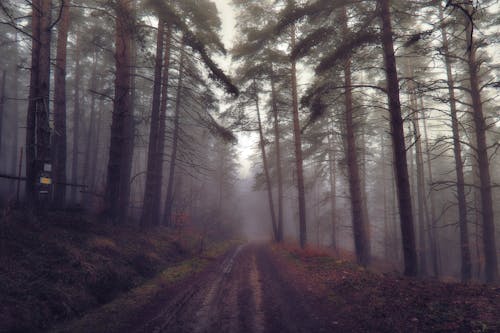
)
(245, 293)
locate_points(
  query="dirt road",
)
(246, 292)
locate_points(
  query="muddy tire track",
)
(247, 292)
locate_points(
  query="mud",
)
(246, 292)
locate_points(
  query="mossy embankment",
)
(69, 265)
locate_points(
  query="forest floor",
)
(70, 264)
(82, 276)
(263, 288)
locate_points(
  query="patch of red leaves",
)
(360, 300)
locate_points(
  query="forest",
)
(145, 142)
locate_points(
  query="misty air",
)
(249, 166)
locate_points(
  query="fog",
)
(145, 118)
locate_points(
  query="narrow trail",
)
(245, 293)
(259, 288)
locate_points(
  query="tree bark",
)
(361, 240)
(432, 230)
(129, 121)
(97, 151)
(15, 142)
(2, 104)
(397, 128)
(90, 137)
(155, 207)
(116, 175)
(59, 139)
(38, 129)
(34, 91)
(333, 192)
(169, 201)
(151, 176)
(488, 222)
(384, 185)
(278, 157)
(419, 162)
(298, 151)
(265, 165)
(76, 120)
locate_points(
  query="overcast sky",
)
(227, 17)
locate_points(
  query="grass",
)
(70, 264)
(119, 314)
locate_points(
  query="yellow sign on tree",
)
(45, 181)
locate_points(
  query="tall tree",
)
(265, 166)
(169, 200)
(279, 236)
(420, 185)
(364, 35)
(488, 223)
(333, 190)
(2, 104)
(151, 175)
(299, 164)
(360, 227)
(75, 160)
(398, 137)
(118, 175)
(466, 264)
(37, 123)
(259, 69)
(59, 138)
(155, 207)
(88, 169)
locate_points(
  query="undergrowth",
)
(69, 264)
(364, 300)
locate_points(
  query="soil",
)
(263, 288)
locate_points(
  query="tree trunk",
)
(76, 121)
(59, 139)
(361, 241)
(419, 162)
(363, 181)
(488, 222)
(2, 104)
(298, 152)
(15, 142)
(121, 115)
(38, 129)
(31, 169)
(398, 137)
(395, 209)
(384, 184)
(90, 137)
(278, 157)
(155, 207)
(151, 176)
(97, 151)
(265, 166)
(169, 200)
(333, 192)
(129, 125)
(432, 230)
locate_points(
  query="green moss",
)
(117, 314)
